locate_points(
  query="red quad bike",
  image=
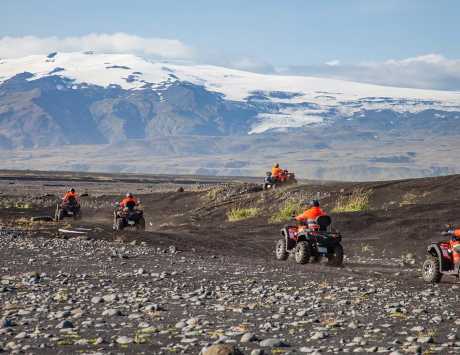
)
(69, 208)
(443, 258)
(128, 217)
(286, 178)
(311, 242)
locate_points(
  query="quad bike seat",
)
(323, 222)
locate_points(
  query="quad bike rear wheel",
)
(78, 215)
(119, 224)
(280, 251)
(430, 270)
(302, 253)
(140, 226)
(59, 215)
(336, 258)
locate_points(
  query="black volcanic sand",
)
(194, 279)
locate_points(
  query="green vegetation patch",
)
(356, 202)
(285, 213)
(239, 214)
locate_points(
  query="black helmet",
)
(72, 190)
(277, 165)
(129, 194)
(314, 203)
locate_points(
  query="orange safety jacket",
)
(128, 201)
(277, 172)
(69, 196)
(310, 215)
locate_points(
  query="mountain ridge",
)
(177, 112)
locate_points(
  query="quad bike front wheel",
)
(140, 226)
(336, 258)
(302, 253)
(430, 270)
(280, 250)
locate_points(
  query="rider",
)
(70, 196)
(276, 172)
(129, 201)
(455, 246)
(310, 215)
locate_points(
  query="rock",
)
(112, 312)
(425, 340)
(181, 325)
(248, 337)
(123, 340)
(258, 352)
(417, 329)
(353, 325)
(62, 314)
(109, 298)
(21, 335)
(272, 343)
(319, 335)
(97, 299)
(222, 349)
(302, 313)
(152, 308)
(65, 324)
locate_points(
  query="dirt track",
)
(228, 262)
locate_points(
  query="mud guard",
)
(290, 244)
(435, 250)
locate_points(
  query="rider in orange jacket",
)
(70, 195)
(311, 214)
(129, 201)
(276, 172)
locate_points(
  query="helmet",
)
(129, 194)
(314, 203)
(72, 190)
(277, 165)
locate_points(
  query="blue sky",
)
(293, 36)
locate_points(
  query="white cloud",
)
(429, 71)
(11, 47)
(333, 63)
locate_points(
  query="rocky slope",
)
(194, 279)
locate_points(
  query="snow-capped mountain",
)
(193, 110)
(274, 101)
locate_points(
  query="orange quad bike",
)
(272, 182)
(70, 208)
(131, 216)
(311, 243)
(443, 258)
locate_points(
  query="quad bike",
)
(286, 178)
(443, 258)
(311, 242)
(69, 208)
(128, 217)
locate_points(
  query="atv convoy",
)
(69, 208)
(286, 178)
(311, 242)
(443, 258)
(128, 217)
